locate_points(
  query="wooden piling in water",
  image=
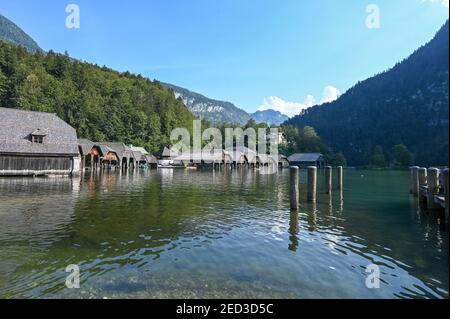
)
(433, 187)
(422, 182)
(422, 176)
(312, 183)
(414, 181)
(446, 190)
(328, 179)
(339, 171)
(294, 187)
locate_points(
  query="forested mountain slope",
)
(100, 103)
(10, 32)
(407, 104)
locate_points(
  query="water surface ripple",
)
(185, 234)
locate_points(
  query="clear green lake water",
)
(193, 234)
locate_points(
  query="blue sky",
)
(255, 53)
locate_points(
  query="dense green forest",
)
(100, 103)
(384, 119)
(10, 32)
(306, 140)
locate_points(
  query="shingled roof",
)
(167, 152)
(105, 149)
(86, 145)
(17, 126)
(305, 157)
(139, 149)
(120, 148)
(151, 159)
(238, 151)
(138, 156)
(198, 157)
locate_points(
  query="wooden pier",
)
(312, 183)
(433, 188)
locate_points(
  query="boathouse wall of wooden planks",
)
(25, 165)
(36, 143)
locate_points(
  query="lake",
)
(230, 234)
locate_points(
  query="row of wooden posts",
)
(431, 186)
(312, 183)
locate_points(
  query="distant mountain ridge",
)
(209, 109)
(10, 32)
(271, 117)
(216, 111)
(408, 104)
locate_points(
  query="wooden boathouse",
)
(152, 161)
(283, 161)
(124, 153)
(109, 158)
(307, 159)
(244, 156)
(233, 157)
(96, 156)
(112, 155)
(90, 154)
(166, 154)
(36, 143)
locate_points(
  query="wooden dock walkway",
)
(438, 199)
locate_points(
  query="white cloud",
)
(330, 93)
(288, 108)
(309, 101)
(445, 3)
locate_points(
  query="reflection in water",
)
(414, 209)
(341, 201)
(230, 233)
(34, 209)
(293, 230)
(330, 203)
(422, 207)
(312, 217)
(166, 176)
